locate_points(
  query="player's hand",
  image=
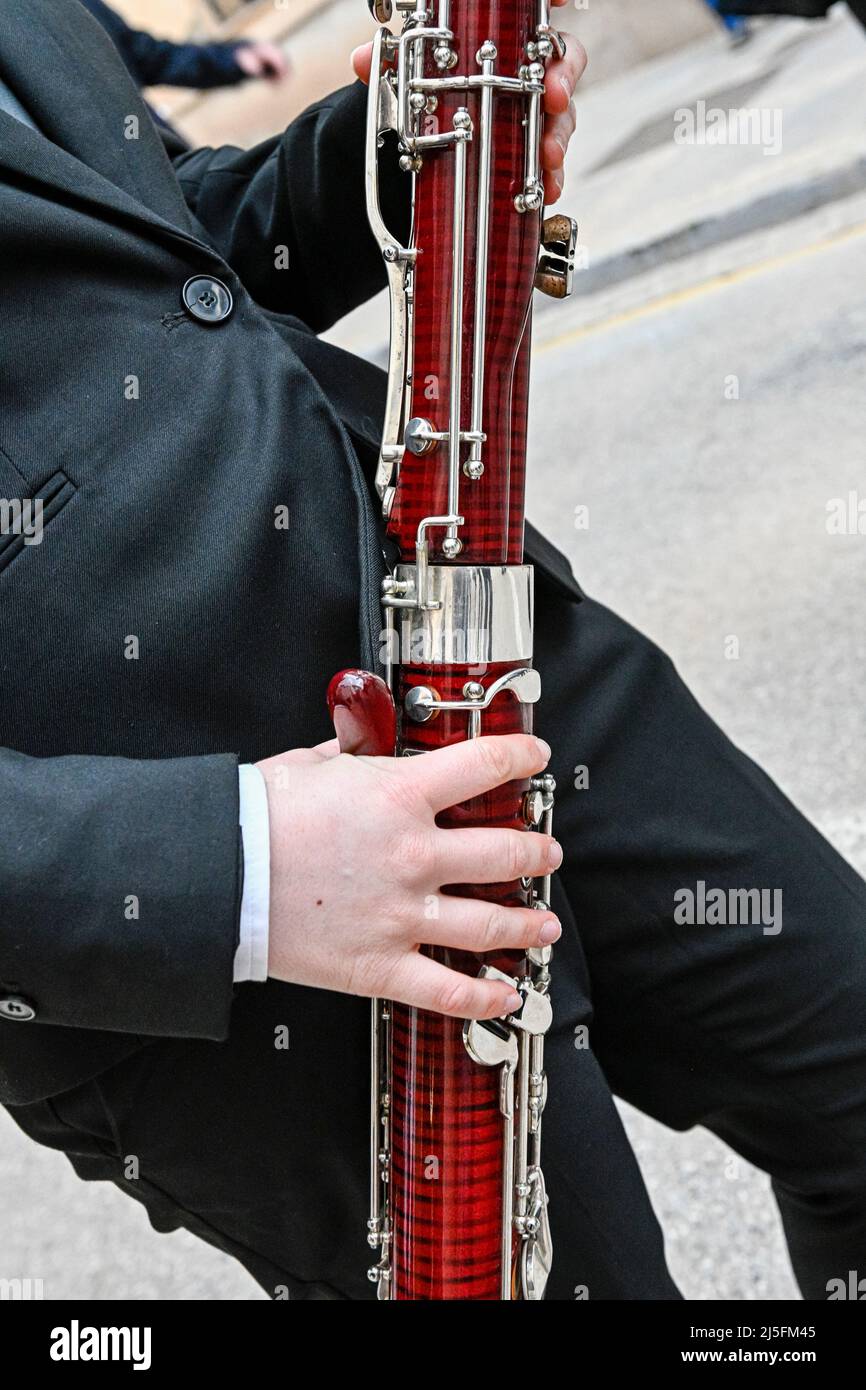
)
(262, 60)
(358, 863)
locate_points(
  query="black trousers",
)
(804, 9)
(756, 1032)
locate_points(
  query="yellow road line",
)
(716, 282)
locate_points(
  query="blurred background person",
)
(159, 62)
(800, 9)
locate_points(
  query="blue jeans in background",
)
(733, 23)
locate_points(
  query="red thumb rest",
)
(363, 714)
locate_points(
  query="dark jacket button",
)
(14, 1006)
(207, 299)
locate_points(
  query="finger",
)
(447, 776)
(248, 61)
(563, 76)
(362, 61)
(425, 984)
(273, 60)
(468, 924)
(558, 130)
(492, 856)
(554, 182)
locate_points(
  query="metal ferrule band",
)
(474, 615)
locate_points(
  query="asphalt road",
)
(707, 519)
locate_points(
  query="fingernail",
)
(513, 1002)
(554, 857)
(567, 87)
(559, 179)
(544, 749)
(550, 932)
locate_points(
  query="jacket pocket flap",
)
(26, 510)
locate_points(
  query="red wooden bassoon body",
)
(459, 1210)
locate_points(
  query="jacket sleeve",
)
(154, 62)
(120, 887)
(290, 215)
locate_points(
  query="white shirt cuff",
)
(251, 957)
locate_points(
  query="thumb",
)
(299, 757)
(330, 749)
(362, 61)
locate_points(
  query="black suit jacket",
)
(165, 626)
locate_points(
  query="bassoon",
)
(458, 1202)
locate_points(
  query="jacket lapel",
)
(67, 74)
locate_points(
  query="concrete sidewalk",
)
(642, 198)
